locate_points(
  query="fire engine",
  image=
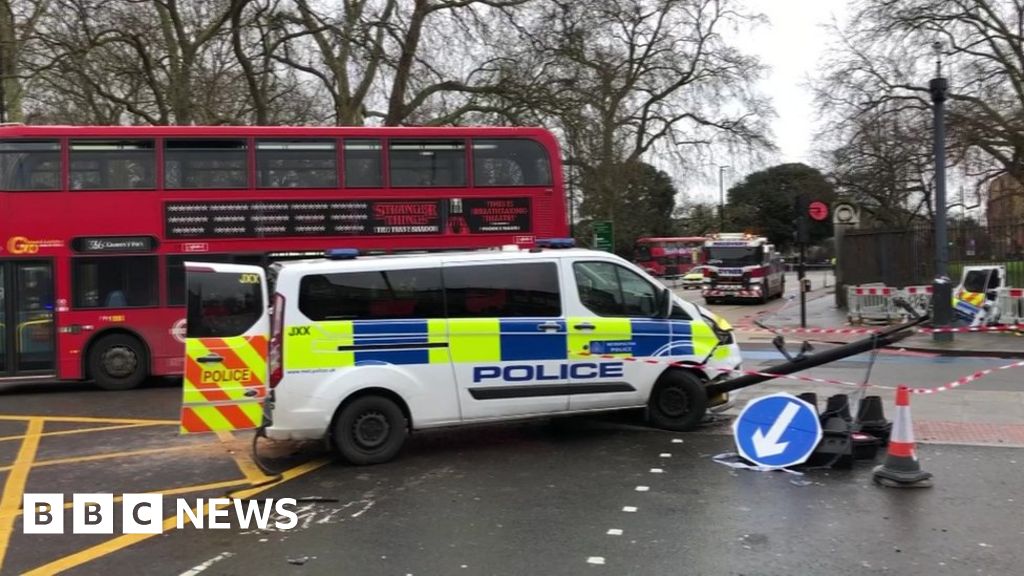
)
(742, 266)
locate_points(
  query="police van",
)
(363, 350)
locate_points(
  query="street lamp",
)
(942, 292)
(721, 198)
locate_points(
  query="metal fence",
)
(907, 257)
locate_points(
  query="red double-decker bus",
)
(96, 222)
(668, 256)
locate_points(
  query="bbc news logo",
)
(144, 513)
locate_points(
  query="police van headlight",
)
(721, 327)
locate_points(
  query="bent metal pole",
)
(878, 340)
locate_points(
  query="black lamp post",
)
(942, 294)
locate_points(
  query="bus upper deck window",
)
(206, 163)
(510, 162)
(29, 165)
(112, 165)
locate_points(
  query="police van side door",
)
(507, 337)
(227, 329)
(615, 316)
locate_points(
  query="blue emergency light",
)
(555, 243)
(342, 253)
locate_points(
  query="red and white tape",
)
(719, 369)
(963, 329)
(796, 377)
(966, 379)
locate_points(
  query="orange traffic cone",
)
(901, 468)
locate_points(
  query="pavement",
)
(823, 314)
(988, 410)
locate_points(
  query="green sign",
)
(604, 235)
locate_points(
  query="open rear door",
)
(228, 325)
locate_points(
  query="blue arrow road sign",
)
(777, 430)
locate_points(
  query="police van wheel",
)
(678, 401)
(117, 362)
(370, 430)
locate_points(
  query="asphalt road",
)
(584, 495)
(543, 499)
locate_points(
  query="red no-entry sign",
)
(818, 210)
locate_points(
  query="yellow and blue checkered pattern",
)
(333, 344)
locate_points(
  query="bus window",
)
(412, 293)
(114, 282)
(510, 162)
(521, 289)
(112, 165)
(362, 164)
(427, 162)
(192, 164)
(296, 164)
(30, 165)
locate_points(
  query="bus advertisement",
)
(98, 221)
(668, 257)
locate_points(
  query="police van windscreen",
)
(734, 256)
(223, 304)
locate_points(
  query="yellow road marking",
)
(94, 457)
(245, 464)
(88, 419)
(14, 488)
(171, 522)
(81, 431)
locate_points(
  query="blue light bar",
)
(342, 254)
(555, 243)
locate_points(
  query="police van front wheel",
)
(370, 430)
(678, 401)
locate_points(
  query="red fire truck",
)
(742, 266)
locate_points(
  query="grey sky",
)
(791, 44)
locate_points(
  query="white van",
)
(363, 350)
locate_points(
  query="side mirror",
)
(665, 303)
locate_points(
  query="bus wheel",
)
(370, 430)
(678, 401)
(118, 362)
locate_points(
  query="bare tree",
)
(18, 22)
(142, 56)
(399, 62)
(166, 62)
(885, 165)
(886, 55)
(625, 79)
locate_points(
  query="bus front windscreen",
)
(734, 256)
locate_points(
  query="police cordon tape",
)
(948, 386)
(951, 330)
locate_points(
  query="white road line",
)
(614, 532)
(677, 440)
(656, 471)
(642, 488)
(664, 455)
(200, 568)
(629, 508)
(595, 560)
